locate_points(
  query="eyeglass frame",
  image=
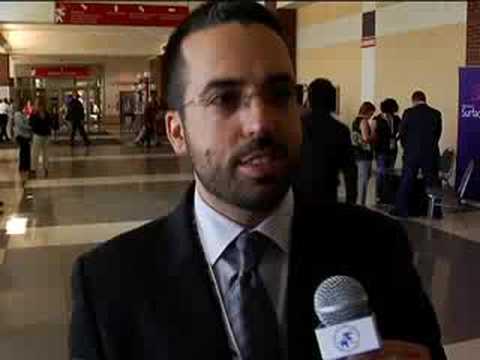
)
(245, 99)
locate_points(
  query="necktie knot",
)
(250, 248)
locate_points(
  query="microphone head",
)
(339, 299)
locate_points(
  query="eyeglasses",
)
(225, 101)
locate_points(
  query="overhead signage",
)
(61, 71)
(77, 13)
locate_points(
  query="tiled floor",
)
(95, 193)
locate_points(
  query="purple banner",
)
(469, 129)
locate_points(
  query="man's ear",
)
(176, 132)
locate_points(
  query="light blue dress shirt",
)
(216, 232)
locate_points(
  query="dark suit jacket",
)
(327, 152)
(76, 111)
(146, 294)
(420, 131)
(385, 135)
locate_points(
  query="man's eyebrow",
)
(234, 82)
(222, 83)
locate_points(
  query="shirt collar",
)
(217, 231)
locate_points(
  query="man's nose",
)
(258, 117)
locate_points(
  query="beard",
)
(228, 184)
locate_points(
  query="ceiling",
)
(50, 39)
(28, 29)
(42, 39)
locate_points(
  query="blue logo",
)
(347, 338)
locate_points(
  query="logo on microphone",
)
(347, 338)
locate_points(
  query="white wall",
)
(420, 45)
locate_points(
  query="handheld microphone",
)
(348, 327)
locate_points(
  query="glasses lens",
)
(225, 101)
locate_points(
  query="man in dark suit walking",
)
(231, 273)
(420, 131)
(76, 115)
(327, 147)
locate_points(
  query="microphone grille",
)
(339, 299)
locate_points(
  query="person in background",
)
(420, 132)
(23, 137)
(76, 115)
(55, 121)
(3, 120)
(28, 108)
(151, 111)
(333, 152)
(10, 125)
(363, 138)
(386, 149)
(41, 124)
(160, 121)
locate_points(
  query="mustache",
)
(265, 143)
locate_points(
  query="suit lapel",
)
(300, 302)
(312, 260)
(195, 311)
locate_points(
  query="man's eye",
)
(225, 99)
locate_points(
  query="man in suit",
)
(420, 131)
(76, 115)
(332, 153)
(232, 271)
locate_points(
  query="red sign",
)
(119, 14)
(62, 71)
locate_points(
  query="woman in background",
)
(23, 137)
(41, 124)
(28, 109)
(363, 138)
(386, 148)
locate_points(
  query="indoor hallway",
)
(92, 194)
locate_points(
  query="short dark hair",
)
(389, 106)
(322, 96)
(419, 96)
(211, 14)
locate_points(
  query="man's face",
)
(242, 153)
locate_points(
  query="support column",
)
(4, 76)
(368, 51)
(473, 33)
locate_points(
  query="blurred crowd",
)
(331, 148)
